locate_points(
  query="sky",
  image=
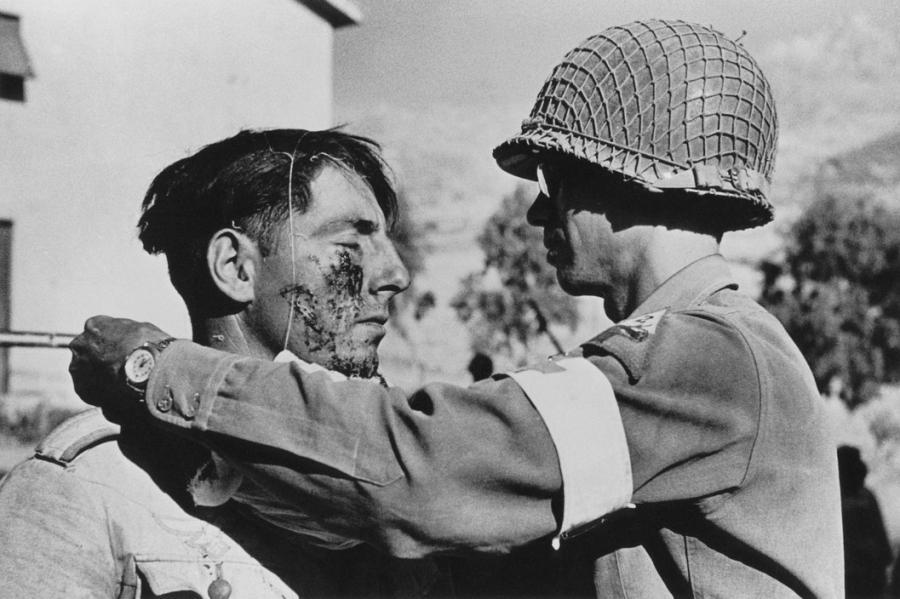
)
(412, 53)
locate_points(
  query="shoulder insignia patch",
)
(641, 327)
(625, 342)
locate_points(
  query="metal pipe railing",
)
(35, 339)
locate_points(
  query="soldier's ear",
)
(231, 258)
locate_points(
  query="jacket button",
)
(219, 589)
(164, 403)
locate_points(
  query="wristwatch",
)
(140, 363)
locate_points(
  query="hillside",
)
(836, 90)
(873, 168)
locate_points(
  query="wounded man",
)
(278, 243)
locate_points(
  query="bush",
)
(837, 293)
(514, 299)
(28, 420)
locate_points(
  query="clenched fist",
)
(98, 355)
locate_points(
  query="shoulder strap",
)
(77, 434)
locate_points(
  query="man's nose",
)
(389, 275)
(538, 214)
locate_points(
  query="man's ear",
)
(231, 258)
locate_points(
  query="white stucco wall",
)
(123, 88)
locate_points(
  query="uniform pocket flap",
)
(165, 575)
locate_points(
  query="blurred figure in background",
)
(481, 367)
(867, 551)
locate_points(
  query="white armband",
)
(579, 408)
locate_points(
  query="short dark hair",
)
(242, 182)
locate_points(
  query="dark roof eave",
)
(338, 13)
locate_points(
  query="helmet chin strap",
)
(293, 233)
(290, 203)
(290, 200)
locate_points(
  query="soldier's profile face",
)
(329, 305)
(581, 243)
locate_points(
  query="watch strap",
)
(156, 348)
(159, 346)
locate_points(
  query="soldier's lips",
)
(379, 318)
(374, 325)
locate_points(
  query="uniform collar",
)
(287, 356)
(310, 367)
(690, 285)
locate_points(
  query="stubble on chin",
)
(355, 367)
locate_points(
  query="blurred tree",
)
(515, 297)
(837, 292)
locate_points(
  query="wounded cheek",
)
(329, 311)
(343, 281)
(303, 303)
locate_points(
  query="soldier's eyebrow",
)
(364, 226)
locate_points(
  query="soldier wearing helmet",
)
(681, 452)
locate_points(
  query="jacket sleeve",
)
(445, 468)
(668, 416)
(54, 540)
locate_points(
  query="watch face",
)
(139, 365)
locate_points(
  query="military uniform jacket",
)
(81, 520)
(682, 452)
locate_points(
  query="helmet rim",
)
(520, 155)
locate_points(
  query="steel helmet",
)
(667, 104)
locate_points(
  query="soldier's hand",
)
(98, 355)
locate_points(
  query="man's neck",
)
(665, 253)
(226, 333)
